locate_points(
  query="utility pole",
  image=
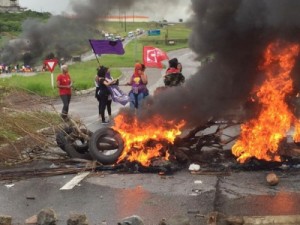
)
(119, 16)
(133, 16)
(125, 21)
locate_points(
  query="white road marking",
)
(72, 183)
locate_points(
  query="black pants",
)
(108, 105)
(103, 100)
(66, 102)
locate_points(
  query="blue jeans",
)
(136, 99)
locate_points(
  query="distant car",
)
(106, 36)
(130, 34)
(118, 37)
(139, 31)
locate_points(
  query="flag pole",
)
(94, 53)
(97, 59)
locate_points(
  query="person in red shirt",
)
(174, 76)
(64, 84)
(173, 63)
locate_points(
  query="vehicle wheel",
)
(106, 145)
(73, 153)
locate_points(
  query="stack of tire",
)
(104, 145)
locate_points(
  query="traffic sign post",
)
(51, 63)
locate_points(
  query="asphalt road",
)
(109, 196)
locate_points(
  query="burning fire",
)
(143, 140)
(260, 137)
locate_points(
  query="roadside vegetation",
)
(11, 23)
(82, 74)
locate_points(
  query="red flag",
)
(153, 57)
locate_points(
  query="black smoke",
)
(63, 35)
(235, 34)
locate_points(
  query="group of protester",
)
(107, 88)
(14, 69)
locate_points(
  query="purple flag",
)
(107, 47)
(118, 95)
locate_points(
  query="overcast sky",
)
(53, 6)
(59, 6)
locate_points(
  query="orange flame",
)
(260, 137)
(136, 134)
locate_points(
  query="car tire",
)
(63, 138)
(73, 153)
(106, 145)
(81, 145)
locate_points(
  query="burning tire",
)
(106, 146)
(69, 136)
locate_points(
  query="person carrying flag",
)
(103, 92)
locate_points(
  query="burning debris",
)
(260, 137)
(161, 147)
(150, 147)
(146, 140)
